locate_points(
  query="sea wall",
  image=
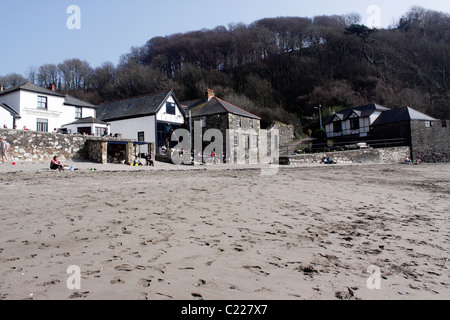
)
(381, 156)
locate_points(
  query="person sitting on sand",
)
(137, 162)
(149, 160)
(56, 164)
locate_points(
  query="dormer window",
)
(42, 103)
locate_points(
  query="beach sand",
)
(213, 233)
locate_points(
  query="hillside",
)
(280, 68)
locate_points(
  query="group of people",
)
(15, 127)
(328, 160)
(148, 159)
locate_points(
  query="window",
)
(78, 113)
(236, 139)
(239, 121)
(141, 136)
(354, 124)
(100, 131)
(255, 141)
(251, 124)
(42, 125)
(42, 102)
(427, 124)
(170, 108)
(337, 126)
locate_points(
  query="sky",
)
(50, 31)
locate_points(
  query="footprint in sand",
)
(145, 282)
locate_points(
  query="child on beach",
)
(56, 164)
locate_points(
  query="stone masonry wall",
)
(40, 146)
(392, 155)
(431, 144)
(286, 132)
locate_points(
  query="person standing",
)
(3, 149)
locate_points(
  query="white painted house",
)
(353, 122)
(39, 109)
(148, 118)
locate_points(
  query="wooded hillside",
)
(280, 68)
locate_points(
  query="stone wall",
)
(431, 144)
(286, 132)
(42, 147)
(392, 155)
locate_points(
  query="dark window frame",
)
(337, 126)
(42, 103)
(354, 124)
(42, 125)
(170, 108)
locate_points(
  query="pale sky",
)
(36, 32)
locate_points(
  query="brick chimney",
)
(52, 87)
(209, 94)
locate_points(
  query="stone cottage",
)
(239, 129)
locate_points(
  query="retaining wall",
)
(42, 147)
(382, 156)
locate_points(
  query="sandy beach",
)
(216, 233)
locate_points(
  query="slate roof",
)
(140, 106)
(361, 111)
(8, 108)
(29, 86)
(401, 114)
(68, 100)
(72, 101)
(216, 106)
(88, 120)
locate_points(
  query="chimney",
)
(52, 87)
(209, 94)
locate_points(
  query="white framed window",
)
(236, 139)
(78, 113)
(255, 142)
(239, 121)
(170, 108)
(251, 124)
(42, 125)
(42, 102)
(427, 124)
